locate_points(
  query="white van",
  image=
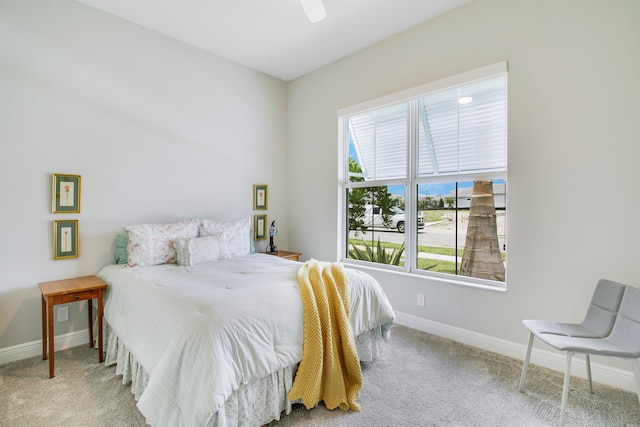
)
(373, 218)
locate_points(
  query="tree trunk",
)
(482, 258)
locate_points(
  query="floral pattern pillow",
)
(235, 235)
(198, 250)
(150, 244)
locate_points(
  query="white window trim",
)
(343, 176)
(458, 79)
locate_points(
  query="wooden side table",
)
(65, 291)
(295, 256)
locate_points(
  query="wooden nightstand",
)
(65, 291)
(295, 256)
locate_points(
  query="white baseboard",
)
(549, 359)
(34, 348)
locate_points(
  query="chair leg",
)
(636, 375)
(565, 388)
(587, 361)
(525, 366)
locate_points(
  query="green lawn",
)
(430, 249)
(439, 266)
(425, 263)
(434, 215)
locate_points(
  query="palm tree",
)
(482, 257)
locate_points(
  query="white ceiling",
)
(275, 36)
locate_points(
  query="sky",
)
(435, 190)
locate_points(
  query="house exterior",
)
(463, 198)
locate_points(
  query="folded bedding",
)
(330, 368)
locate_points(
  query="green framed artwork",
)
(260, 227)
(65, 239)
(260, 196)
(65, 193)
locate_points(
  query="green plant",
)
(360, 197)
(378, 254)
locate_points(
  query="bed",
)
(217, 343)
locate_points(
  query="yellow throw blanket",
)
(330, 368)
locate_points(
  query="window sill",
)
(466, 282)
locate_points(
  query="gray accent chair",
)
(611, 327)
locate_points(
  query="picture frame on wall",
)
(260, 227)
(65, 239)
(260, 196)
(65, 193)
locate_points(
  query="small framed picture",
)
(260, 196)
(65, 193)
(260, 227)
(65, 239)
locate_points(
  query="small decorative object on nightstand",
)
(65, 291)
(273, 231)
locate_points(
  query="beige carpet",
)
(420, 380)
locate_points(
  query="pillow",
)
(234, 233)
(122, 241)
(198, 250)
(150, 244)
(252, 241)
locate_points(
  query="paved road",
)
(441, 234)
(424, 238)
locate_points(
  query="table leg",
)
(44, 328)
(90, 301)
(51, 337)
(100, 313)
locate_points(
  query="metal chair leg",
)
(565, 388)
(525, 366)
(587, 361)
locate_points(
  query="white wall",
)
(574, 145)
(159, 131)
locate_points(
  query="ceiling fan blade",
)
(314, 10)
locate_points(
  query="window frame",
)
(412, 179)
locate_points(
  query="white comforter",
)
(200, 332)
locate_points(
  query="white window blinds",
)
(380, 141)
(453, 138)
(457, 138)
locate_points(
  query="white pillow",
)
(150, 244)
(234, 233)
(198, 250)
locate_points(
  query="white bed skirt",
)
(253, 404)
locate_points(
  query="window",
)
(424, 179)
